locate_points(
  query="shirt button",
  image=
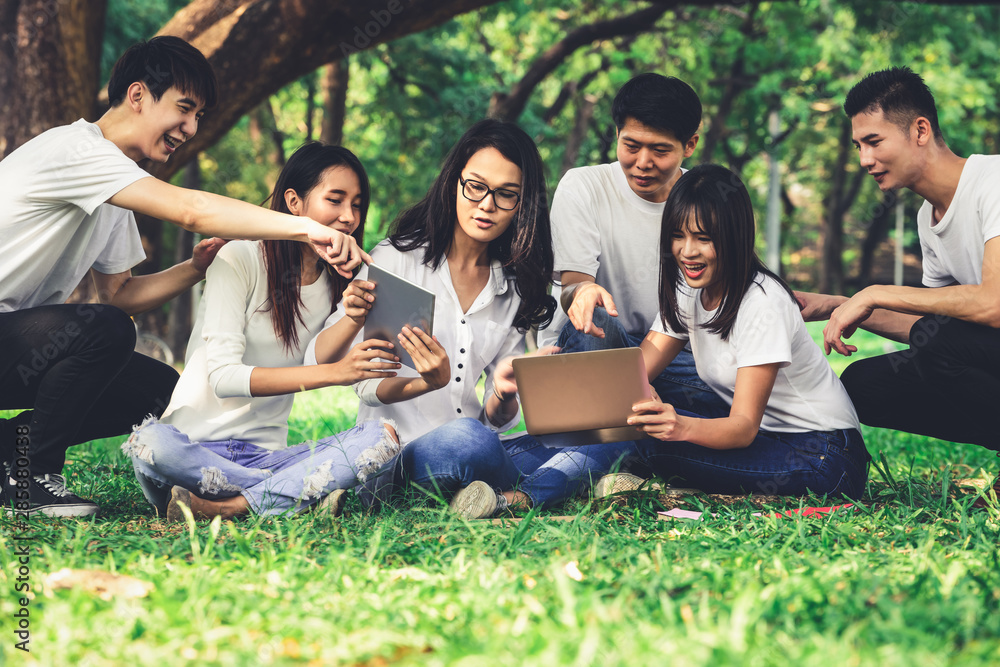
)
(459, 411)
(458, 379)
(463, 321)
(460, 365)
(462, 351)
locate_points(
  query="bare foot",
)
(517, 500)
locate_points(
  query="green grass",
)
(912, 578)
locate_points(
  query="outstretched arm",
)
(979, 304)
(214, 215)
(137, 294)
(886, 323)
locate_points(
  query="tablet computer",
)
(398, 303)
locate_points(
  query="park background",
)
(912, 577)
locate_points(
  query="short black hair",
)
(160, 63)
(899, 93)
(661, 102)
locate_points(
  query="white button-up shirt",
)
(475, 341)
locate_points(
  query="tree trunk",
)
(179, 321)
(336, 77)
(584, 114)
(49, 65)
(843, 191)
(879, 221)
(51, 53)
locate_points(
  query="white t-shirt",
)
(233, 334)
(475, 340)
(807, 394)
(953, 248)
(54, 222)
(602, 228)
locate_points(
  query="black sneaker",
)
(5, 471)
(49, 496)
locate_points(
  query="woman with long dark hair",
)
(480, 241)
(791, 428)
(221, 446)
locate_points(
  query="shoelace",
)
(54, 484)
(501, 502)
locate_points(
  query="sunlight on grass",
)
(910, 578)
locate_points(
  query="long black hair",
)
(283, 259)
(525, 247)
(719, 204)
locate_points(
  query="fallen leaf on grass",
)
(400, 653)
(105, 584)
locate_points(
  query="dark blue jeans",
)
(834, 463)
(464, 450)
(678, 384)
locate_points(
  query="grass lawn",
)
(910, 578)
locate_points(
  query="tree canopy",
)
(398, 81)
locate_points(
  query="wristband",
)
(499, 395)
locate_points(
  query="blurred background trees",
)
(398, 81)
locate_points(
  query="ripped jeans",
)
(272, 481)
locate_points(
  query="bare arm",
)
(580, 295)
(658, 351)
(360, 363)
(738, 430)
(137, 294)
(979, 304)
(214, 215)
(333, 342)
(886, 323)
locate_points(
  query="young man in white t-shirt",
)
(66, 208)
(606, 232)
(946, 384)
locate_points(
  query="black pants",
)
(75, 370)
(946, 385)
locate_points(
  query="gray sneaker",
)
(478, 501)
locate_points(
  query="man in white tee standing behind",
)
(606, 233)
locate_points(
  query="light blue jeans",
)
(464, 450)
(272, 481)
(678, 383)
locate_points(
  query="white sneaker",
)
(478, 501)
(619, 482)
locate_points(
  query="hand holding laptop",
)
(657, 419)
(504, 382)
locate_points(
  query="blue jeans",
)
(272, 481)
(833, 463)
(678, 384)
(464, 450)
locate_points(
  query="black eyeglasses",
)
(506, 200)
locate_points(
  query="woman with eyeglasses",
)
(480, 241)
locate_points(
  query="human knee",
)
(151, 440)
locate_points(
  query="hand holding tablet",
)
(398, 304)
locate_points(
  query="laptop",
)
(581, 398)
(398, 303)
